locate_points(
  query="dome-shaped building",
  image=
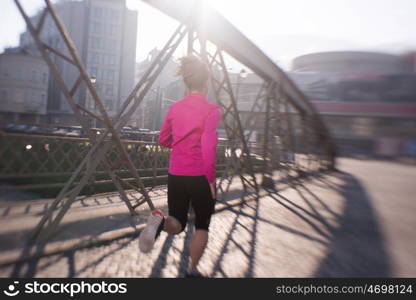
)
(350, 62)
(367, 99)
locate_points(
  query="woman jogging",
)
(189, 129)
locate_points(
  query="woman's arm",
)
(209, 141)
(165, 136)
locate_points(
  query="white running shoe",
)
(154, 226)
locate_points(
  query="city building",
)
(156, 102)
(368, 100)
(23, 87)
(104, 33)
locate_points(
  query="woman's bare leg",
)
(197, 247)
(172, 225)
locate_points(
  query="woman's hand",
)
(213, 190)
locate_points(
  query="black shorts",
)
(194, 190)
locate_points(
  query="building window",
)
(97, 27)
(106, 29)
(19, 74)
(44, 78)
(113, 30)
(110, 74)
(93, 72)
(107, 12)
(4, 95)
(33, 99)
(100, 74)
(94, 42)
(19, 96)
(111, 60)
(109, 104)
(34, 74)
(94, 57)
(98, 12)
(97, 43)
(103, 58)
(109, 90)
(112, 44)
(115, 15)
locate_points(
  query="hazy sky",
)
(284, 29)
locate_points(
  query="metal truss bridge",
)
(294, 139)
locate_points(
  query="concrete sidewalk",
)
(357, 222)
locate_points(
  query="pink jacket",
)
(189, 129)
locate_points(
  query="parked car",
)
(61, 131)
(20, 128)
(9, 127)
(28, 129)
(34, 129)
(127, 133)
(74, 133)
(48, 130)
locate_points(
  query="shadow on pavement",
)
(355, 246)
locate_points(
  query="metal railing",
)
(42, 163)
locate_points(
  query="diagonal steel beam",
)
(69, 97)
(85, 78)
